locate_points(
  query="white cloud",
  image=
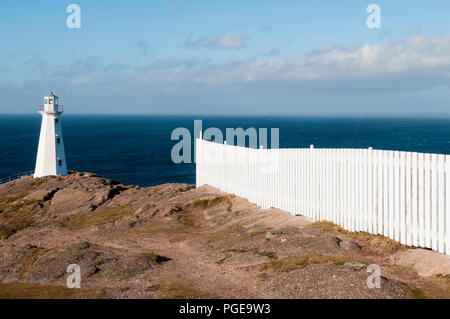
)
(409, 64)
(414, 62)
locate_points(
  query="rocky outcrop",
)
(175, 240)
(425, 262)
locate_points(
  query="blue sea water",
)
(136, 149)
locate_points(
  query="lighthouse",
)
(51, 158)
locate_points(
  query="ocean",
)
(136, 149)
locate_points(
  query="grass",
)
(6, 203)
(98, 217)
(30, 291)
(213, 237)
(155, 287)
(20, 217)
(443, 277)
(27, 262)
(255, 233)
(6, 232)
(414, 293)
(268, 254)
(288, 264)
(363, 238)
(18, 208)
(208, 203)
(182, 291)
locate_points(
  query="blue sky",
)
(227, 57)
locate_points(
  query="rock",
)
(175, 209)
(95, 261)
(172, 210)
(349, 245)
(327, 281)
(274, 234)
(355, 265)
(425, 262)
(41, 195)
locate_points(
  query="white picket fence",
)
(402, 195)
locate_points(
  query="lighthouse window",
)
(58, 140)
(56, 121)
(51, 101)
(60, 162)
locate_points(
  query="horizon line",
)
(296, 115)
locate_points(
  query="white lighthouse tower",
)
(51, 159)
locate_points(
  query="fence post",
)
(441, 204)
(427, 212)
(421, 200)
(414, 200)
(403, 201)
(312, 201)
(369, 196)
(409, 217)
(447, 204)
(434, 202)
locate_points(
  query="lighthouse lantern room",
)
(51, 158)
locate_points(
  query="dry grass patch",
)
(19, 217)
(153, 288)
(212, 237)
(362, 238)
(268, 254)
(182, 291)
(30, 291)
(98, 217)
(414, 292)
(255, 233)
(290, 263)
(27, 262)
(442, 277)
(7, 202)
(437, 286)
(6, 232)
(208, 203)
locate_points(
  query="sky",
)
(233, 57)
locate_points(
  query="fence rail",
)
(402, 195)
(15, 177)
